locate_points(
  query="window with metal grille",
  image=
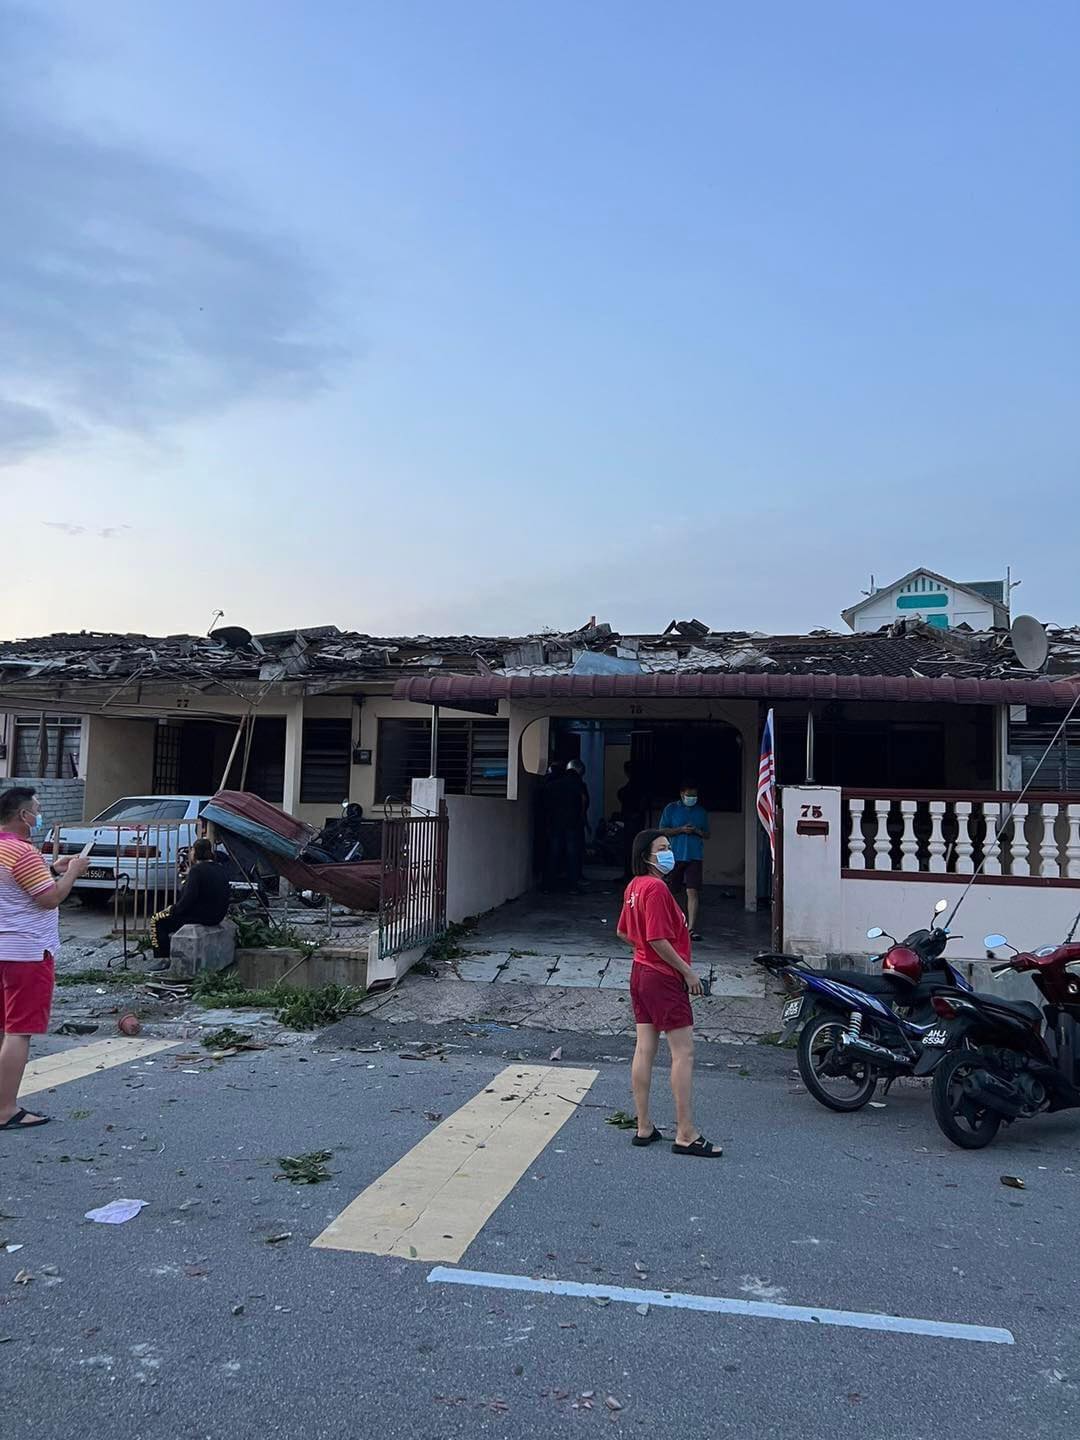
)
(324, 762)
(58, 757)
(472, 759)
(1029, 740)
(167, 760)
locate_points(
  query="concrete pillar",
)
(813, 904)
(427, 795)
(294, 739)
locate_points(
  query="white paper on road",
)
(116, 1212)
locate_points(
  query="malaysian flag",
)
(766, 785)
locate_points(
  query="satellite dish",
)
(1029, 642)
(233, 637)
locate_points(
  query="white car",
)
(140, 837)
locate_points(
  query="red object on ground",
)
(128, 1025)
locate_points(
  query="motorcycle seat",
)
(868, 984)
(1023, 1008)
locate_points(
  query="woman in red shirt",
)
(661, 983)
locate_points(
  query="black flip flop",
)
(16, 1122)
(705, 1148)
(647, 1139)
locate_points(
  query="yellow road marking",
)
(433, 1203)
(83, 1060)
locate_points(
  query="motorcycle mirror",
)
(875, 933)
(994, 942)
(941, 906)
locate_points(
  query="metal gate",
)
(412, 902)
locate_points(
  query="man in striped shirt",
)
(30, 896)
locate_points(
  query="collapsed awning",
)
(463, 692)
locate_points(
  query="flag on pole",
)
(766, 785)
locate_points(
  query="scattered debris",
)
(877, 1105)
(433, 1115)
(76, 1027)
(116, 1212)
(612, 1403)
(129, 1024)
(238, 1309)
(279, 1237)
(621, 1120)
(307, 1169)
(556, 1054)
(642, 1309)
(24, 1277)
(1013, 1182)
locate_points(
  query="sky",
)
(443, 316)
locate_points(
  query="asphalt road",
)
(136, 1331)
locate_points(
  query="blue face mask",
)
(38, 822)
(664, 860)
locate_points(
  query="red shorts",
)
(660, 999)
(26, 991)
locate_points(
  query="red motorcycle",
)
(1010, 1060)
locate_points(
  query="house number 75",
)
(811, 812)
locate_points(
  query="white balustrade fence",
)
(905, 832)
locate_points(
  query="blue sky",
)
(429, 316)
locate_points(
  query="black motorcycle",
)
(856, 1028)
(338, 843)
(1010, 1061)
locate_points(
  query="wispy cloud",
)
(132, 292)
(104, 532)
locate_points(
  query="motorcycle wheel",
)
(851, 1087)
(959, 1118)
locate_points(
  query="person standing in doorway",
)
(686, 824)
(661, 983)
(30, 895)
(633, 811)
(566, 803)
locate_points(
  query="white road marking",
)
(714, 1304)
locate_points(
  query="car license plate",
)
(791, 1011)
(96, 872)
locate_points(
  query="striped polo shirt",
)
(27, 930)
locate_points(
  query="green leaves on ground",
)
(309, 1169)
(621, 1120)
(295, 1008)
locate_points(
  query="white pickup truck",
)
(140, 837)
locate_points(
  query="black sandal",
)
(700, 1146)
(17, 1122)
(647, 1139)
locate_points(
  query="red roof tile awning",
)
(461, 691)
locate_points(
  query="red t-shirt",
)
(650, 913)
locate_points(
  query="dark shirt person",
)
(204, 900)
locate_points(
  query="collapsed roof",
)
(92, 668)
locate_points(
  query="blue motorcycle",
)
(855, 1028)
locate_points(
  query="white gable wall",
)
(925, 598)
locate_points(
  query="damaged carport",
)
(962, 705)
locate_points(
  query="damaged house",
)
(910, 739)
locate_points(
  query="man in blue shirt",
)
(686, 824)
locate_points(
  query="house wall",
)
(921, 599)
(490, 853)
(118, 758)
(61, 801)
(826, 914)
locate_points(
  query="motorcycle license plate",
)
(98, 873)
(791, 1011)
